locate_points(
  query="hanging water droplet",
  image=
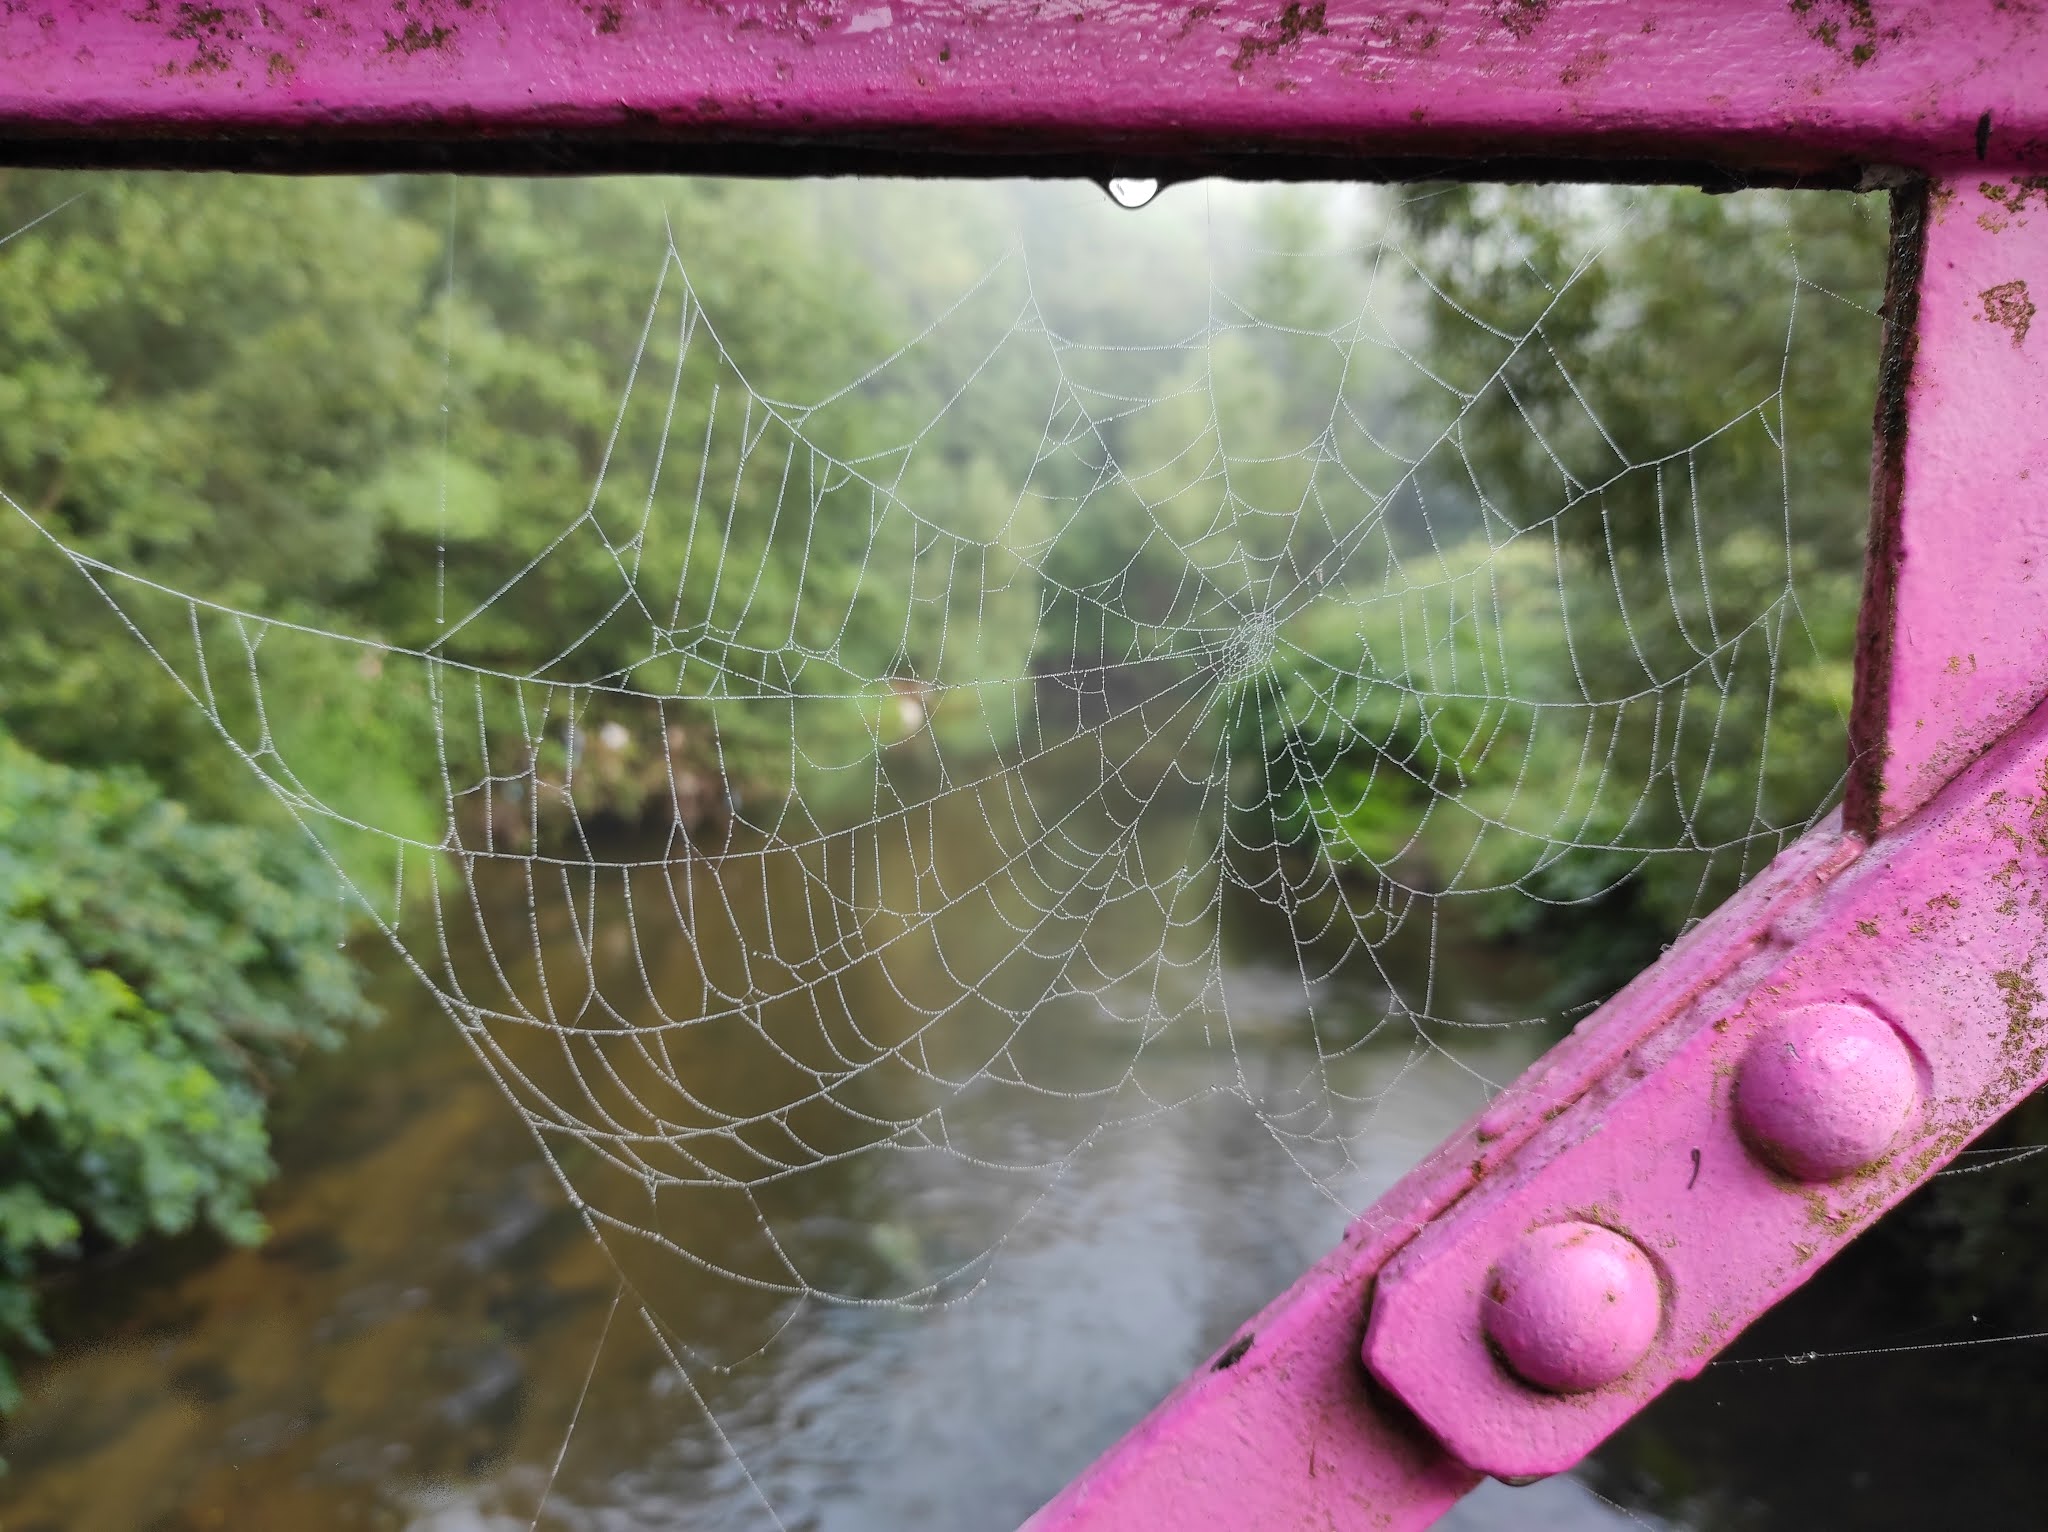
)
(1133, 191)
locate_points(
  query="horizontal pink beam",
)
(1807, 88)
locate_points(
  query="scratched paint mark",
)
(2008, 306)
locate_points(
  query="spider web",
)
(935, 757)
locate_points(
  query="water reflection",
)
(412, 1346)
(414, 1342)
(1051, 1223)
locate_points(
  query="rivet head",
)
(1572, 1307)
(1825, 1090)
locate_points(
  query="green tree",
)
(157, 976)
(1616, 650)
(195, 376)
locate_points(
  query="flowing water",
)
(413, 1345)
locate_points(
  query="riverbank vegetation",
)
(1519, 530)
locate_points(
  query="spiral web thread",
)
(956, 842)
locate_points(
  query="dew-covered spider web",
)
(1005, 661)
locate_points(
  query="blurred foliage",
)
(387, 415)
(417, 385)
(1614, 665)
(156, 976)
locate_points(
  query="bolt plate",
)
(1940, 930)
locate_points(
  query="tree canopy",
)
(1561, 490)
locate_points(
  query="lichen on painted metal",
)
(1913, 956)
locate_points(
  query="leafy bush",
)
(156, 975)
(1622, 708)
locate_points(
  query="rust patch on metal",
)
(1847, 28)
(2010, 202)
(1282, 32)
(1870, 715)
(209, 28)
(2022, 1000)
(259, 44)
(417, 37)
(1520, 17)
(2008, 306)
(1414, 34)
(1584, 66)
(1197, 14)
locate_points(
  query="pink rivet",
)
(1826, 1089)
(1572, 1307)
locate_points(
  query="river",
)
(420, 1336)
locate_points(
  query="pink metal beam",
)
(1904, 997)
(1284, 1428)
(1802, 1058)
(1955, 616)
(1815, 89)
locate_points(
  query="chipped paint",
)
(2008, 306)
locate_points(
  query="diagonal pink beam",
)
(1954, 641)
(1283, 1429)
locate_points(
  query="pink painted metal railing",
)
(1803, 1058)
